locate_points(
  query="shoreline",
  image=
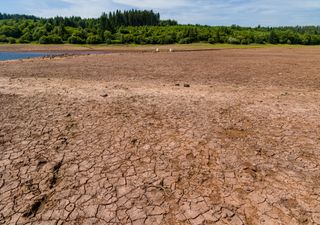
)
(76, 49)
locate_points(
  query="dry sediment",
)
(114, 139)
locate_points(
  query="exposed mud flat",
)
(217, 137)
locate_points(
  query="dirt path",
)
(228, 137)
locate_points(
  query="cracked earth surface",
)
(123, 139)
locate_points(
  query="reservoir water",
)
(26, 55)
(21, 55)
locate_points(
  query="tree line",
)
(142, 27)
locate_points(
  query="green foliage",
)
(3, 39)
(39, 32)
(51, 39)
(76, 40)
(108, 37)
(273, 37)
(234, 41)
(261, 38)
(22, 41)
(94, 39)
(59, 31)
(212, 41)
(4, 16)
(10, 31)
(168, 23)
(143, 27)
(114, 20)
(185, 41)
(78, 36)
(11, 40)
(116, 42)
(25, 38)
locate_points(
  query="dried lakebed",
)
(228, 137)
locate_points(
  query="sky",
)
(205, 12)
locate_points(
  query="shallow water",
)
(26, 55)
(21, 55)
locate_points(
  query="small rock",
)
(134, 141)
(177, 85)
(104, 95)
(186, 85)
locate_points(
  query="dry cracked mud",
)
(217, 137)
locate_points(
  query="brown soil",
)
(217, 137)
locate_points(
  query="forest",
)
(142, 27)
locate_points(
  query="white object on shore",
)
(170, 50)
(157, 50)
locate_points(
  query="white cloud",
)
(212, 12)
(154, 4)
(83, 8)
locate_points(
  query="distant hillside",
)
(142, 27)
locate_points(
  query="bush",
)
(23, 41)
(38, 33)
(245, 41)
(212, 41)
(94, 39)
(260, 39)
(108, 41)
(136, 40)
(124, 30)
(152, 40)
(76, 40)
(166, 39)
(233, 41)
(80, 33)
(185, 41)
(43, 40)
(11, 40)
(3, 39)
(10, 31)
(116, 42)
(107, 35)
(127, 38)
(51, 39)
(26, 38)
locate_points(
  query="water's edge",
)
(5, 56)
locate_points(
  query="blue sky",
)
(210, 12)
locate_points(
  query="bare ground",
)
(217, 137)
